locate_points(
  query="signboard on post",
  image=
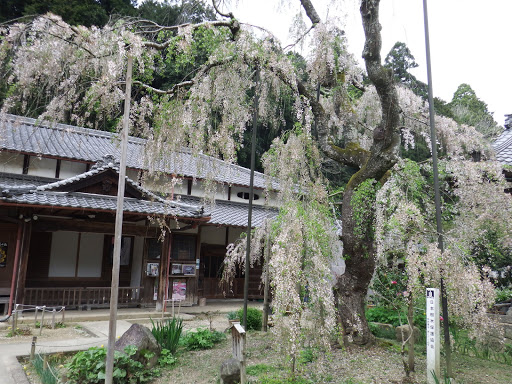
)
(433, 340)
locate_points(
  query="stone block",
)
(230, 371)
(404, 330)
(142, 338)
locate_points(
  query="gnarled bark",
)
(359, 248)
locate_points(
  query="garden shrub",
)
(88, 367)
(203, 338)
(168, 333)
(392, 316)
(166, 358)
(254, 318)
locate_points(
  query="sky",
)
(470, 40)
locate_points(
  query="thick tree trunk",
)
(358, 239)
(351, 289)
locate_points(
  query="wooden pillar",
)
(22, 274)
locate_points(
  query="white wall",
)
(63, 254)
(11, 162)
(71, 168)
(213, 235)
(42, 166)
(236, 190)
(164, 184)
(64, 250)
(234, 234)
(221, 192)
(91, 255)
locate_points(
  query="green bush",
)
(203, 338)
(233, 315)
(503, 294)
(382, 332)
(168, 333)
(88, 367)
(254, 318)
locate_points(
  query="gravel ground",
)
(380, 364)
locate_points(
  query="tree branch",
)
(229, 15)
(310, 11)
(232, 24)
(187, 83)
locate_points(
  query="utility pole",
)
(444, 300)
(114, 291)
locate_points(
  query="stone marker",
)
(433, 338)
(142, 338)
(230, 371)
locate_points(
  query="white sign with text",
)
(433, 332)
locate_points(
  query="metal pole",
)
(114, 292)
(267, 280)
(251, 196)
(444, 300)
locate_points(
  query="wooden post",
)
(63, 314)
(239, 340)
(42, 321)
(22, 268)
(33, 347)
(53, 318)
(45, 362)
(35, 318)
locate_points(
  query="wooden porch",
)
(82, 297)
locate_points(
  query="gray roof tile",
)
(98, 202)
(232, 213)
(503, 147)
(27, 135)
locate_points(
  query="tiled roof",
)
(234, 214)
(22, 189)
(10, 180)
(503, 147)
(27, 135)
(97, 202)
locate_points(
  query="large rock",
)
(404, 330)
(142, 338)
(230, 371)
